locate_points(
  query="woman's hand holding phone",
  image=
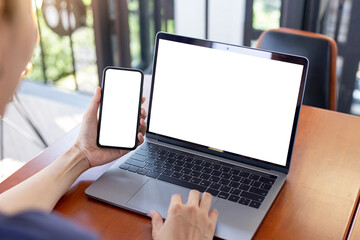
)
(87, 139)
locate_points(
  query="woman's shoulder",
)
(40, 225)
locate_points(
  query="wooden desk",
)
(316, 201)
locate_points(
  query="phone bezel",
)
(101, 105)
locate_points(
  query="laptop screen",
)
(226, 98)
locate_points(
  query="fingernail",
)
(151, 213)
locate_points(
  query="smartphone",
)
(120, 107)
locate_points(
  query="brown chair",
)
(321, 51)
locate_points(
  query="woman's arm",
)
(43, 190)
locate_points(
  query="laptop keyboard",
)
(236, 184)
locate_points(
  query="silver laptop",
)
(221, 119)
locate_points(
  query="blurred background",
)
(78, 38)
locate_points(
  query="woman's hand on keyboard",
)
(86, 141)
(192, 220)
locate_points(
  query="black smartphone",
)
(120, 107)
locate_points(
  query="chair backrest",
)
(321, 51)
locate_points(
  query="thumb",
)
(156, 221)
(95, 101)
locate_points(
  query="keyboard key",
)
(163, 152)
(138, 157)
(161, 158)
(124, 166)
(245, 181)
(133, 169)
(234, 184)
(149, 166)
(150, 160)
(159, 169)
(181, 183)
(170, 160)
(213, 192)
(254, 204)
(186, 178)
(195, 173)
(159, 163)
(244, 187)
(259, 191)
(206, 170)
(224, 181)
(225, 189)
(225, 175)
(177, 168)
(254, 177)
(244, 174)
(225, 169)
(235, 192)
(215, 185)
(142, 171)
(214, 179)
(188, 165)
(189, 159)
(136, 163)
(235, 178)
(176, 175)
(215, 166)
(179, 163)
(234, 171)
(168, 172)
(205, 183)
(154, 149)
(185, 171)
(197, 168)
(206, 164)
(168, 166)
(223, 195)
(195, 180)
(252, 196)
(266, 186)
(197, 161)
(142, 152)
(153, 155)
(273, 177)
(244, 201)
(204, 176)
(234, 198)
(171, 154)
(216, 173)
(267, 180)
(256, 184)
(179, 157)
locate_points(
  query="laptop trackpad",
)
(156, 195)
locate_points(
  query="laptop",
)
(222, 119)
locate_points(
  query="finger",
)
(175, 202)
(156, 222)
(213, 215)
(95, 101)
(205, 201)
(175, 198)
(140, 138)
(142, 127)
(194, 198)
(143, 113)
(143, 100)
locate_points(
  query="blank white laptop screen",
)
(225, 100)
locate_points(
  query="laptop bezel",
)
(245, 50)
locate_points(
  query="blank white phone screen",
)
(120, 108)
